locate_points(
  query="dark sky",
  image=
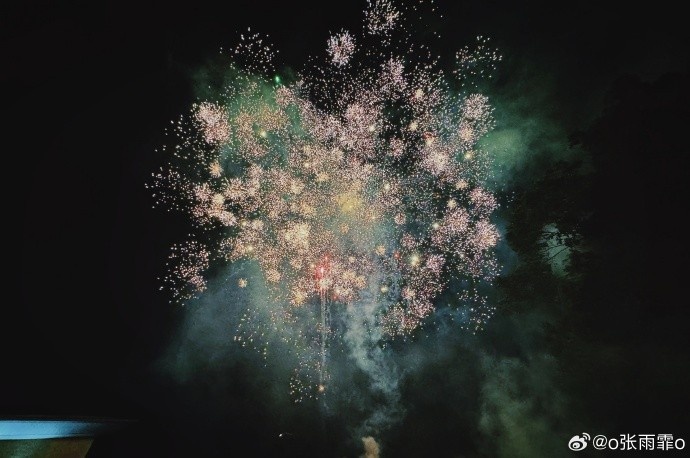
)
(91, 88)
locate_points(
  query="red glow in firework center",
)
(322, 273)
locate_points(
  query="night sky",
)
(592, 104)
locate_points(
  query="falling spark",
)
(340, 48)
(381, 17)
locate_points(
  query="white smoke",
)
(363, 338)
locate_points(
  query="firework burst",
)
(365, 185)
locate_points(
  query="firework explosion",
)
(359, 182)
